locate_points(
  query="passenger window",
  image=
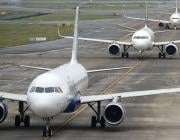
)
(49, 90)
(39, 90)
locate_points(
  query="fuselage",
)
(58, 90)
(143, 39)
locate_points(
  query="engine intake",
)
(161, 24)
(3, 111)
(114, 113)
(171, 49)
(114, 49)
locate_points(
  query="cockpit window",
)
(39, 90)
(175, 18)
(140, 37)
(32, 89)
(49, 90)
(46, 90)
(58, 90)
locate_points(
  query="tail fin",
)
(75, 40)
(176, 7)
(146, 18)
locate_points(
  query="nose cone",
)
(46, 105)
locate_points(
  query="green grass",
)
(70, 17)
(18, 34)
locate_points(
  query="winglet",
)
(75, 39)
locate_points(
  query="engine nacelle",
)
(161, 24)
(3, 111)
(171, 49)
(114, 49)
(114, 113)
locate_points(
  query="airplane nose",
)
(141, 44)
(45, 106)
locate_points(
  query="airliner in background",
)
(59, 91)
(142, 40)
(174, 20)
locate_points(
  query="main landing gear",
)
(47, 131)
(167, 26)
(22, 118)
(162, 54)
(98, 118)
(125, 52)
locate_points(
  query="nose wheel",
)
(22, 118)
(141, 57)
(47, 131)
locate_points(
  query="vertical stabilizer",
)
(146, 18)
(75, 40)
(176, 7)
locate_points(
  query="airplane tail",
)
(146, 16)
(176, 7)
(75, 39)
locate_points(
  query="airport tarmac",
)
(148, 118)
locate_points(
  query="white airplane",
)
(142, 40)
(59, 91)
(174, 20)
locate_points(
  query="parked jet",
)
(142, 40)
(174, 19)
(58, 91)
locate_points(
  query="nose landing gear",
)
(47, 131)
(141, 57)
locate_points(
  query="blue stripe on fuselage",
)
(74, 103)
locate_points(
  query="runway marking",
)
(81, 109)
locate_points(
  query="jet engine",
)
(114, 113)
(3, 111)
(114, 49)
(171, 49)
(161, 24)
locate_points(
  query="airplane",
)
(142, 40)
(59, 91)
(174, 19)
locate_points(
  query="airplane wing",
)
(13, 96)
(88, 71)
(165, 42)
(96, 40)
(101, 70)
(143, 19)
(96, 98)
